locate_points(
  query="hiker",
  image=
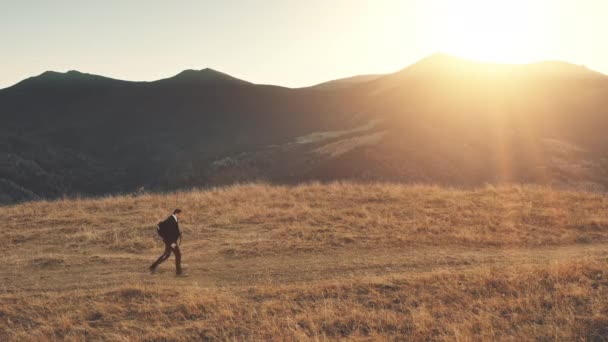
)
(169, 232)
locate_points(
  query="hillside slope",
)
(311, 262)
(443, 120)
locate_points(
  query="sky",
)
(289, 42)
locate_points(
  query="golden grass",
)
(311, 262)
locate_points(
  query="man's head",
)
(177, 212)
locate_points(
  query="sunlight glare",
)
(493, 31)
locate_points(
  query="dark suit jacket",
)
(169, 229)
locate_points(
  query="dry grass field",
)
(311, 262)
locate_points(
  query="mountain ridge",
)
(442, 121)
(437, 60)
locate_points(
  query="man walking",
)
(169, 232)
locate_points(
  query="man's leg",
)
(166, 254)
(178, 259)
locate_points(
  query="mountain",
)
(205, 76)
(442, 120)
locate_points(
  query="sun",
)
(493, 31)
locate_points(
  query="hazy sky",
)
(289, 42)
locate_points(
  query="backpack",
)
(162, 229)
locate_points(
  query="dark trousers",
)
(167, 253)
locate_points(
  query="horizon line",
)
(436, 54)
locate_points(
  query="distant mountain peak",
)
(63, 75)
(68, 74)
(49, 73)
(206, 75)
(73, 76)
(444, 64)
(207, 72)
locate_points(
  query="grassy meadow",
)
(361, 262)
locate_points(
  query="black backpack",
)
(162, 229)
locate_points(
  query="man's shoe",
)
(153, 269)
(181, 274)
